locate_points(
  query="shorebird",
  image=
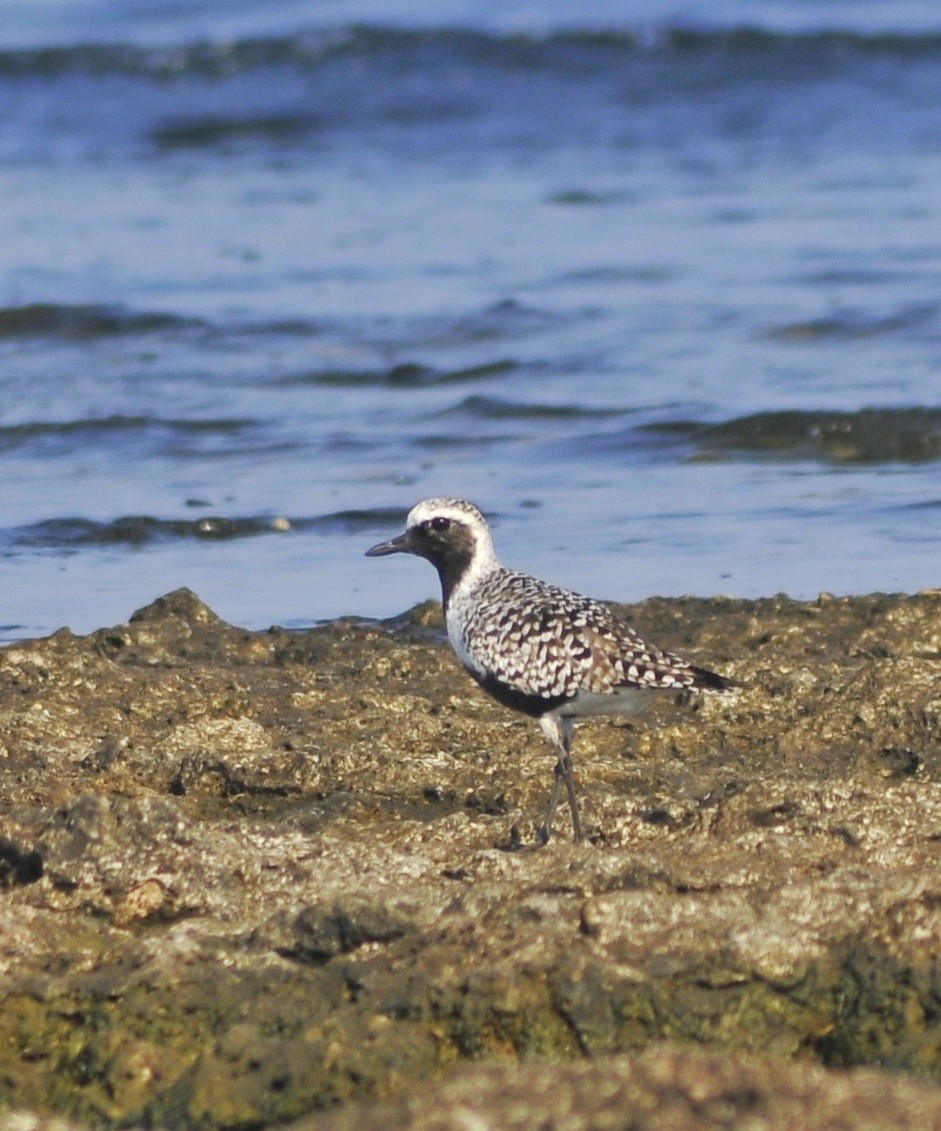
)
(548, 652)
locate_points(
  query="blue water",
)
(628, 276)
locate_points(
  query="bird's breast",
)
(456, 628)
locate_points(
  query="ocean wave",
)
(434, 88)
(140, 530)
(137, 530)
(848, 325)
(85, 322)
(872, 435)
(81, 322)
(125, 431)
(404, 375)
(568, 50)
(496, 408)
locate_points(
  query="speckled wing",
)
(545, 641)
(623, 660)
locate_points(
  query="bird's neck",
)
(461, 573)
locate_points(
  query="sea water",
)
(658, 288)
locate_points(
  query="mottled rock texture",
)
(246, 877)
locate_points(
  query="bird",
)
(536, 648)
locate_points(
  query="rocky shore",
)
(247, 878)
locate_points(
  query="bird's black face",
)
(446, 542)
(439, 539)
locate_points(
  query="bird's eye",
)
(440, 523)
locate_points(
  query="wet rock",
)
(664, 1089)
(249, 876)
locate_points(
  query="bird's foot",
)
(514, 842)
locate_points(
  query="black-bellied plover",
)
(550, 653)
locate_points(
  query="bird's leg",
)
(559, 733)
(545, 830)
(564, 764)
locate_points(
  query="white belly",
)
(629, 701)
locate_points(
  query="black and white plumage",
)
(550, 653)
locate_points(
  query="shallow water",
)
(662, 298)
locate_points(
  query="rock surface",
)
(248, 876)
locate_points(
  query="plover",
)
(552, 654)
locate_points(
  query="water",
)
(659, 293)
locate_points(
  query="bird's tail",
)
(706, 680)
